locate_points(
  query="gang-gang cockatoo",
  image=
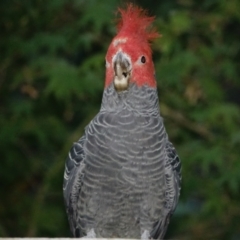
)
(122, 177)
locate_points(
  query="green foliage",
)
(51, 82)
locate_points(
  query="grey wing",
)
(173, 186)
(72, 182)
(173, 178)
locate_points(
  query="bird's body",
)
(122, 178)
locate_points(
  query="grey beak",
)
(122, 70)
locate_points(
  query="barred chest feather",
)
(123, 178)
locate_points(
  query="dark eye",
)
(143, 59)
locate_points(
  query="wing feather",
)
(173, 186)
(73, 176)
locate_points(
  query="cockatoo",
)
(122, 177)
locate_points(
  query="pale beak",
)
(122, 70)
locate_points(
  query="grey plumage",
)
(122, 178)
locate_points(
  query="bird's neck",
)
(142, 100)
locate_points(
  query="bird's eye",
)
(143, 59)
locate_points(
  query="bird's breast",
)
(124, 173)
(126, 147)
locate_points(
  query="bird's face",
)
(129, 60)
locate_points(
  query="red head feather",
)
(133, 37)
(135, 21)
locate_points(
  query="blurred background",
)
(52, 72)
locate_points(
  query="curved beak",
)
(122, 70)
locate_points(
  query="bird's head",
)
(129, 56)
